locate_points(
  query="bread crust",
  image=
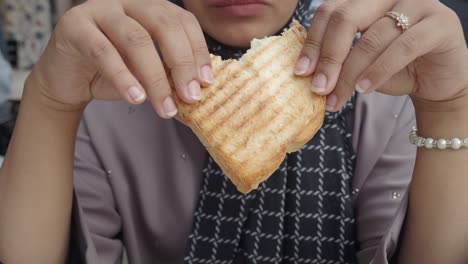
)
(256, 110)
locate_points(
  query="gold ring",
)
(402, 20)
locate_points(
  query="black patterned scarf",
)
(302, 214)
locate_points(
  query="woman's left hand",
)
(428, 61)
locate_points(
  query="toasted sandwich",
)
(257, 109)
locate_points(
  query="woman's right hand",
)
(104, 49)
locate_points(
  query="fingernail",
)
(363, 86)
(207, 74)
(332, 99)
(136, 94)
(319, 82)
(169, 106)
(194, 90)
(302, 66)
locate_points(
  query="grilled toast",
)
(257, 109)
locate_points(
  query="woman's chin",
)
(241, 40)
(235, 42)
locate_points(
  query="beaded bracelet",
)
(429, 143)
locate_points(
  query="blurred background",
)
(25, 27)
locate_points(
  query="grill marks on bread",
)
(256, 109)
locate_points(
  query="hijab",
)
(302, 214)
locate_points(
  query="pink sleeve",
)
(97, 223)
(380, 203)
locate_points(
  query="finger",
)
(413, 43)
(344, 23)
(106, 58)
(136, 45)
(163, 24)
(311, 51)
(199, 47)
(370, 46)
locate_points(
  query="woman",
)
(147, 184)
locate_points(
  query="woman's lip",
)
(242, 9)
(224, 3)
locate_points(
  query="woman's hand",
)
(104, 49)
(429, 61)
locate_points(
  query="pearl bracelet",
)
(429, 143)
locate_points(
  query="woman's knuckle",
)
(441, 9)
(450, 16)
(200, 49)
(157, 79)
(183, 61)
(370, 42)
(164, 18)
(71, 19)
(341, 15)
(99, 47)
(312, 43)
(380, 69)
(69, 31)
(409, 44)
(324, 10)
(138, 37)
(115, 76)
(328, 59)
(188, 16)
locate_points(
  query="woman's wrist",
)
(36, 93)
(444, 119)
